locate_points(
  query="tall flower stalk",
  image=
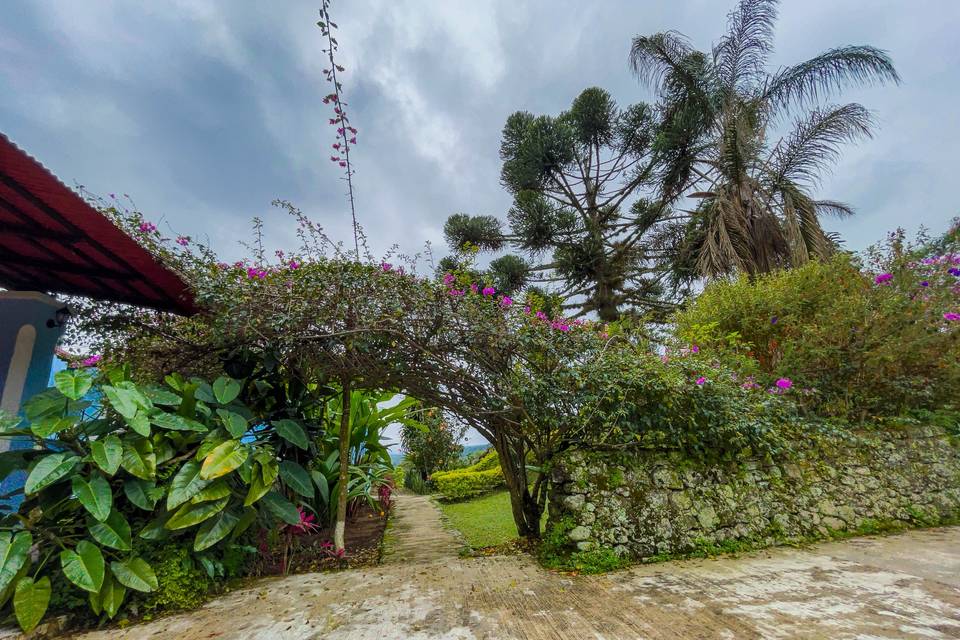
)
(346, 133)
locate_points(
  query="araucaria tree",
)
(576, 215)
(754, 208)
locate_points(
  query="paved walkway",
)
(905, 586)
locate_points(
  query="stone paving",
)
(904, 586)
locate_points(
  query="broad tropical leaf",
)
(135, 573)
(226, 389)
(30, 601)
(50, 469)
(214, 530)
(186, 484)
(107, 452)
(14, 551)
(216, 490)
(156, 529)
(192, 514)
(73, 383)
(281, 508)
(109, 598)
(223, 459)
(95, 495)
(175, 422)
(142, 493)
(235, 423)
(114, 532)
(291, 432)
(297, 478)
(139, 459)
(84, 566)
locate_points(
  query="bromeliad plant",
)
(150, 463)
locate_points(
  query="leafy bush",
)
(430, 442)
(186, 462)
(471, 481)
(860, 343)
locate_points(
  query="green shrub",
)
(182, 582)
(479, 478)
(852, 346)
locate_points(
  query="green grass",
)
(485, 521)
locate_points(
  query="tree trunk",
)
(526, 510)
(340, 528)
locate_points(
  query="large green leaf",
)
(297, 478)
(186, 484)
(94, 494)
(73, 383)
(14, 551)
(192, 514)
(142, 493)
(291, 432)
(84, 567)
(235, 423)
(175, 422)
(226, 389)
(258, 489)
(281, 508)
(30, 601)
(214, 530)
(50, 469)
(107, 453)
(248, 517)
(135, 573)
(109, 598)
(159, 395)
(139, 422)
(114, 532)
(139, 459)
(217, 489)
(321, 481)
(46, 427)
(124, 401)
(9, 421)
(155, 529)
(223, 459)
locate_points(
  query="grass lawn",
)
(485, 521)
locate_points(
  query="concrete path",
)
(417, 533)
(905, 586)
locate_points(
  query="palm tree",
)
(753, 209)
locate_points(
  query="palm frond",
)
(741, 55)
(833, 208)
(815, 143)
(830, 72)
(653, 58)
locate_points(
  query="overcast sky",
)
(205, 111)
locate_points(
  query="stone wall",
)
(647, 503)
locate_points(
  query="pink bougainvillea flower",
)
(694, 349)
(336, 146)
(386, 266)
(474, 287)
(456, 292)
(183, 240)
(223, 265)
(488, 291)
(353, 140)
(506, 301)
(541, 315)
(449, 279)
(953, 317)
(92, 361)
(352, 130)
(343, 164)
(883, 277)
(334, 158)
(294, 265)
(701, 380)
(784, 383)
(147, 227)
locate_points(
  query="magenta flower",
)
(952, 317)
(474, 287)
(92, 361)
(526, 309)
(456, 292)
(223, 265)
(386, 266)
(294, 265)
(784, 383)
(183, 240)
(353, 140)
(541, 315)
(701, 380)
(352, 130)
(488, 291)
(924, 284)
(694, 349)
(449, 279)
(506, 301)
(336, 146)
(343, 164)
(954, 272)
(147, 227)
(883, 277)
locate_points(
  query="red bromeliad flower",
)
(306, 525)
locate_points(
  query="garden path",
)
(904, 586)
(416, 533)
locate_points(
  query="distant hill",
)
(397, 456)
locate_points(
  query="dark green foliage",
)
(509, 273)
(431, 443)
(480, 231)
(471, 481)
(183, 583)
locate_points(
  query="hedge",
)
(470, 481)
